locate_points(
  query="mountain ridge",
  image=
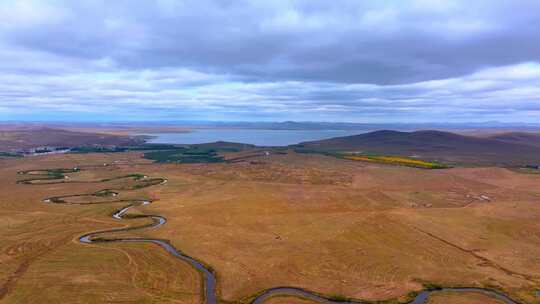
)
(436, 145)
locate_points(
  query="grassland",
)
(337, 227)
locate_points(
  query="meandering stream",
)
(53, 176)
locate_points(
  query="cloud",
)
(179, 94)
(306, 59)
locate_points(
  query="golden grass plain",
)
(366, 231)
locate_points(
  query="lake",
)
(249, 136)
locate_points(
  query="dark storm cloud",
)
(306, 60)
(379, 42)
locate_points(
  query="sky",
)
(236, 60)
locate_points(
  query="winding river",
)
(56, 176)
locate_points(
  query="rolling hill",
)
(523, 138)
(436, 145)
(15, 139)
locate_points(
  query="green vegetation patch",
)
(90, 149)
(104, 149)
(185, 155)
(105, 192)
(8, 154)
(338, 298)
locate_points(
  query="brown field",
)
(288, 300)
(328, 225)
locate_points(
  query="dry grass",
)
(362, 231)
(288, 300)
(42, 261)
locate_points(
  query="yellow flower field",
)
(397, 160)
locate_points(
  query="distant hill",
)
(435, 145)
(28, 138)
(531, 139)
